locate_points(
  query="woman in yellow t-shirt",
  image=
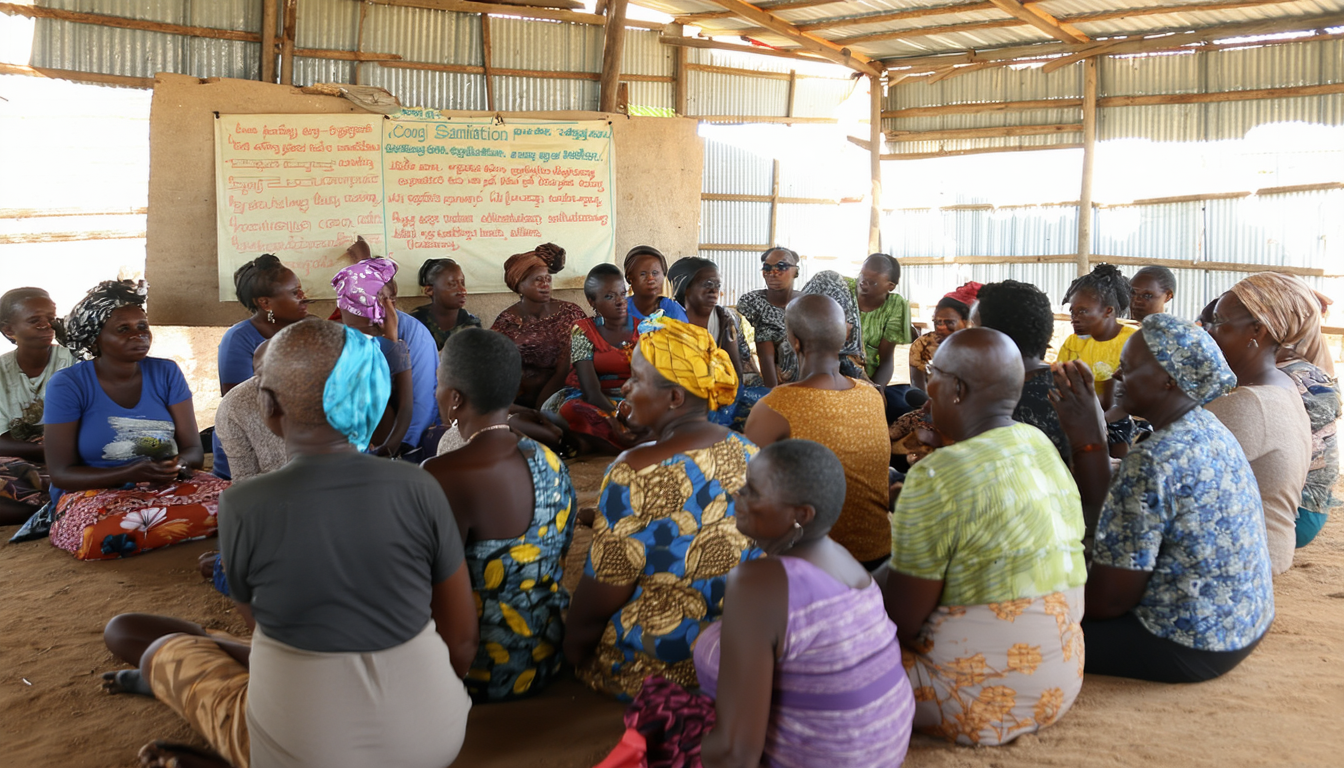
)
(1096, 302)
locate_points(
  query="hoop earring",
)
(270, 316)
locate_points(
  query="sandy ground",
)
(1280, 707)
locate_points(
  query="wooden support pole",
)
(793, 90)
(613, 49)
(680, 58)
(1089, 159)
(774, 203)
(486, 57)
(287, 42)
(359, 41)
(875, 163)
(269, 18)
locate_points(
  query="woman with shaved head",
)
(353, 569)
(985, 581)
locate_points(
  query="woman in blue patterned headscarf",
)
(1180, 587)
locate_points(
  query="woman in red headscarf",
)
(538, 324)
(951, 315)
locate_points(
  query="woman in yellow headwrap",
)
(664, 537)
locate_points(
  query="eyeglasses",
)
(946, 323)
(782, 266)
(1145, 297)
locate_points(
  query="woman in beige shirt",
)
(1251, 322)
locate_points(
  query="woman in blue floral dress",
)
(515, 507)
(1180, 587)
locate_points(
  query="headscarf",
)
(1190, 356)
(516, 267)
(1312, 348)
(642, 250)
(966, 293)
(681, 273)
(686, 356)
(357, 389)
(357, 287)
(87, 318)
(1285, 305)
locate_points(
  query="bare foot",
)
(126, 681)
(206, 564)
(161, 754)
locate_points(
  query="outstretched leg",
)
(129, 635)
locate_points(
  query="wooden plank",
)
(76, 76)
(1297, 91)
(983, 133)
(1041, 20)
(45, 213)
(359, 41)
(745, 119)
(793, 91)
(1089, 164)
(774, 202)
(733, 247)
(979, 151)
(696, 18)
(736, 71)
(270, 17)
(725, 198)
(680, 61)
(468, 6)
(69, 237)
(287, 34)
(875, 163)
(946, 29)
(613, 48)
(819, 45)
(486, 57)
(988, 107)
(543, 74)
(864, 144)
(1299, 188)
(901, 15)
(564, 5)
(119, 22)
(696, 42)
(331, 53)
(1134, 261)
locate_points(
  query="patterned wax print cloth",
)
(668, 530)
(516, 583)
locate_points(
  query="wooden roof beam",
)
(698, 42)
(818, 45)
(1040, 19)
(695, 18)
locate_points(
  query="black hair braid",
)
(257, 279)
(1108, 283)
(431, 269)
(1166, 279)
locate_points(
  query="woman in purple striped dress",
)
(811, 670)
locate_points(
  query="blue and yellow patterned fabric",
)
(669, 531)
(516, 583)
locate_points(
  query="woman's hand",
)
(389, 317)
(1076, 402)
(153, 472)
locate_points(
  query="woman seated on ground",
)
(695, 285)
(646, 272)
(1251, 323)
(1024, 313)
(1180, 588)
(952, 313)
(537, 323)
(363, 306)
(445, 314)
(1151, 289)
(119, 419)
(1096, 302)
(515, 507)
(1320, 394)
(764, 309)
(28, 321)
(830, 283)
(273, 294)
(813, 673)
(599, 366)
(664, 537)
(361, 631)
(884, 314)
(986, 576)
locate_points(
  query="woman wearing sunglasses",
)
(765, 311)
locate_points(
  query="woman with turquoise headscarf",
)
(341, 563)
(364, 307)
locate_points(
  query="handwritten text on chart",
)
(415, 187)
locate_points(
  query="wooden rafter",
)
(696, 18)
(697, 42)
(1040, 19)
(948, 29)
(811, 42)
